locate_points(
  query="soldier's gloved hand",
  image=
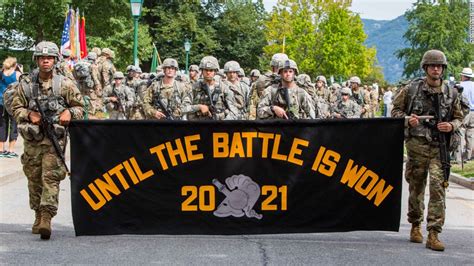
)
(280, 112)
(205, 109)
(65, 118)
(35, 118)
(113, 99)
(444, 127)
(159, 115)
(413, 121)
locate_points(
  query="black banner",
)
(236, 177)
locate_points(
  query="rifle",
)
(119, 102)
(443, 144)
(48, 130)
(212, 107)
(157, 99)
(286, 95)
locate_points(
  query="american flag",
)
(65, 41)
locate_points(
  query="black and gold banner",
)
(232, 177)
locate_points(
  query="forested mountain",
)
(387, 37)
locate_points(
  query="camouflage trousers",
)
(44, 171)
(424, 159)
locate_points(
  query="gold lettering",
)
(276, 145)
(328, 166)
(296, 151)
(379, 192)
(178, 151)
(142, 176)
(374, 178)
(107, 186)
(117, 172)
(94, 205)
(159, 152)
(318, 158)
(265, 139)
(249, 136)
(237, 146)
(130, 172)
(190, 148)
(220, 145)
(352, 174)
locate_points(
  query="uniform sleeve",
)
(233, 111)
(188, 101)
(73, 98)
(20, 105)
(399, 103)
(357, 110)
(308, 105)
(106, 69)
(95, 77)
(148, 100)
(264, 106)
(130, 97)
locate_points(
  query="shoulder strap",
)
(57, 79)
(413, 88)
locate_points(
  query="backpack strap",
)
(413, 88)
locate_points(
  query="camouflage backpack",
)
(8, 97)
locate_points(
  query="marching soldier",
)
(118, 98)
(106, 67)
(346, 107)
(193, 74)
(66, 63)
(164, 98)
(360, 96)
(43, 158)
(427, 96)
(239, 88)
(287, 101)
(320, 104)
(210, 98)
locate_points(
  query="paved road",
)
(19, 246)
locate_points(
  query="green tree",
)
(442, 25)
(239, 30)
(322, 36)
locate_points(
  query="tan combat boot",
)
(433, 241)
(35, 228)
(45, 225)
(415, 234)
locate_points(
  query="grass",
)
(468, 170)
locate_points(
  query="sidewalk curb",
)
(461, 180)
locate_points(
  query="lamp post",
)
(187, 48)
(136, 6)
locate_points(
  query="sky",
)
(371, 9)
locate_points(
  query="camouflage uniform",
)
(106, 68)
(423, 149)
(171, 96)
(374, 100)
(300, 105)
(125, 96)
(222, 97)
(41, 165)
(347, 109)
(137, 112)
(240, 90)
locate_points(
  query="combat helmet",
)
(170, 62)
(255, 73)
(433, 57)
(66, 53)
(209, 62)
(355, 79)
(304, 79)
(346, 90)
(231, 66)
(277, 58)
(194, 68)
(118, 75)
(45, 48)
(321, 78)
(288, 64)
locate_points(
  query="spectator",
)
(10, 73)
(387, 102)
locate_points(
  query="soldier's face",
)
(117, 82)
(45, 63)
(192, 74)
(208, 74)
(434, 71)
(253, 78)
(345, 97)
(232, 76)
(319, 84)
(288, 74)
(170, 72)
(354, 85)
